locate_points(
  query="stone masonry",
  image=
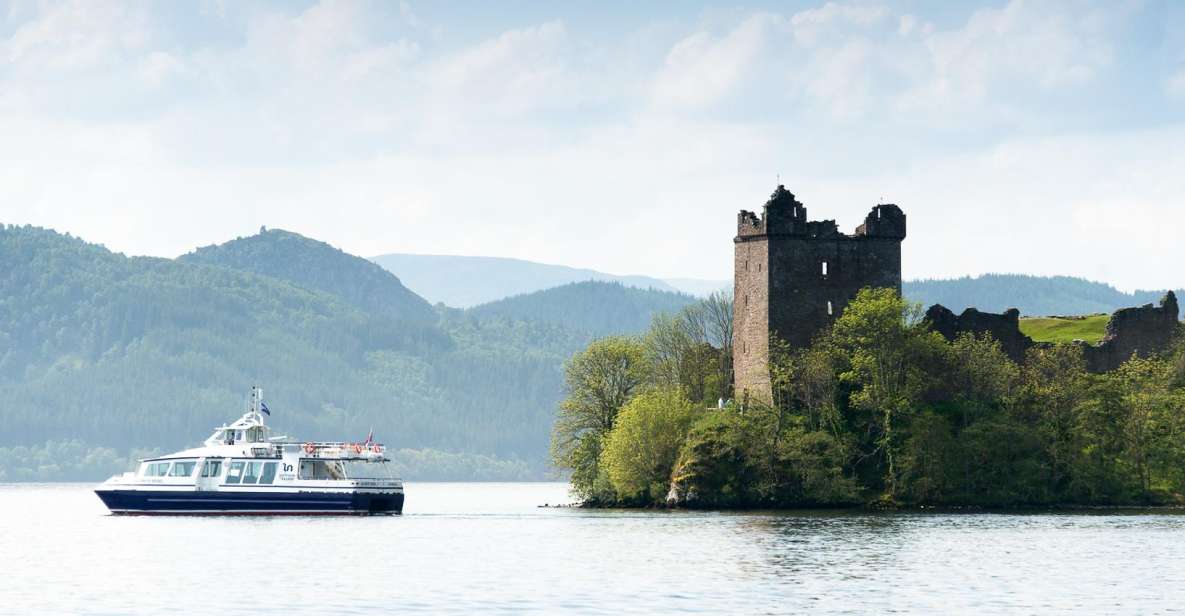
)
(1143, 331)
(794, 277)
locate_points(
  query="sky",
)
(1037, 137)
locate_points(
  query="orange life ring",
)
(357, 448)
(309, 448)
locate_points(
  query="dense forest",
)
(878, 411)
(103, 356)
(602, 308)
(1032, 295)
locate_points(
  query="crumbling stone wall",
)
(1003, 327)
(793, 277)
(1143, 331)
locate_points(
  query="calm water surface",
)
(465, 547)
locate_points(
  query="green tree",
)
(1055, 387)
(982, 379)
(600, 380)
(713, 468)
(642, 448)
(886, 353)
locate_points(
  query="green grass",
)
(1065, 329)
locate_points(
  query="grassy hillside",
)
(464, 282)
(1032, 295)
(597, 308)
(109, 354)
(1089, 328)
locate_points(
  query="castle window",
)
(824, 269)
(830, 311)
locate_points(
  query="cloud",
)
(1174, 85)
(1022, 46)
(382, 129)
(515, 72)
(702, 69)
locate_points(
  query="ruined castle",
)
(793, 277)
(1141, 331)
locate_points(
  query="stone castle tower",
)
(793, 277)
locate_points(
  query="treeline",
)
(599, 308)
(880, 411)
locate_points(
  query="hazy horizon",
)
(1037, 138)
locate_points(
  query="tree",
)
(1149, 412)
(679, 354)
(1055, 386)
(642, 448)
(600, 380)
(718, 309)
(886, 353)
(982, 376)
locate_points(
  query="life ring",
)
(376, 448)
(309, 448)
(357, 448)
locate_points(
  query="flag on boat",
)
(263, 407)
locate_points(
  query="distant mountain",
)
(597, 308)
(318, 266)
(1032, 295)
(103, 356)
(463, 282)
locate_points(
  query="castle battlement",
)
(783, 214)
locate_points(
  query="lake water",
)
(466, 547)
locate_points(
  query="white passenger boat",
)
(242, 469)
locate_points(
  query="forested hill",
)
(464, 282)
(598, 308)
(318, 266)
(102, 355)
(1032, 295)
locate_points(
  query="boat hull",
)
(132, 502)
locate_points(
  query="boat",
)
(242, 469)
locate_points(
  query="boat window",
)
(156, 469)
(269, 473)
(235, 473)
(213, 468)
(255, 435)
(183, 468)
(321, 469)
(357, 469)
(252, 474)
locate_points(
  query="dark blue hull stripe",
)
(144, 501)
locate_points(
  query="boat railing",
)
(339, 449)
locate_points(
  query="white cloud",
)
(813, 26)
(701, 69)
(1023, 45)
(517, 71)
(1174, 85)
(76, 36)
(541, 141)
